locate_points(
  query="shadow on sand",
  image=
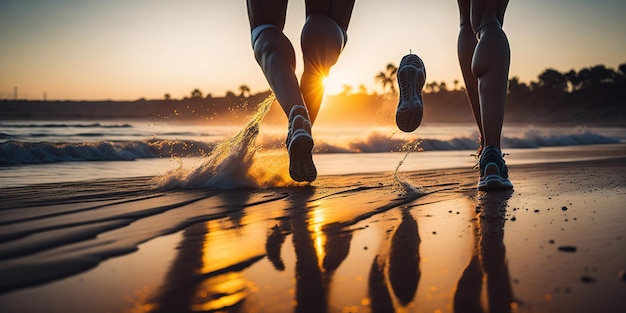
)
(488, 260)
(320, 249)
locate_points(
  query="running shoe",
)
(300, 146)
(493, 171)
(411, 78)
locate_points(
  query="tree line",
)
(592, 95)
(593, 78)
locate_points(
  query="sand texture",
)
(427, 241)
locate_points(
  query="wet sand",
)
(428, 242)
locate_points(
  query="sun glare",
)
(331, 85)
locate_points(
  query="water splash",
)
(234, 163)
(406, 186)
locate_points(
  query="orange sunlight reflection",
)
(220, 292)
(319, 238)
(230, 288)
(139, 301)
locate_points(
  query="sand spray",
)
(234, 163)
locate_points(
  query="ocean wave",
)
(536, 138)
(6, 136)
(63, 125)
(379, 142)
(17, 152)
(41, 136)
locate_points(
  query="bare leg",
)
(322, 41)
(492, 82)
(276, 56)
(466, 45)
(274, 52)
(489, 63)
(323, 38)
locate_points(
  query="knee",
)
(271, 44)
(318, 25)
(322, 39)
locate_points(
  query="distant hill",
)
(194, 108)
(591, 96)
(601, 107)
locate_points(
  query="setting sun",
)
(331, 85)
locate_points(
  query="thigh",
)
(267, 12)
(338, 10)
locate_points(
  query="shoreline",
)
(327, 163)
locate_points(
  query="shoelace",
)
(477, 158)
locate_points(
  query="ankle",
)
(298, 110)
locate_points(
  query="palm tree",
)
(388, 78)
(244, 90)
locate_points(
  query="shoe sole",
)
(409, 112)
(301, 166)
(493, 182)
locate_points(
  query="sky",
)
(126, 50)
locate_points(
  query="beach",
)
(407, 241)
(135, 216)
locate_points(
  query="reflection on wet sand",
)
(488, 263)
(351, 244)
(311, 291)
(319, 249)
(208, 273)
(395, 270)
